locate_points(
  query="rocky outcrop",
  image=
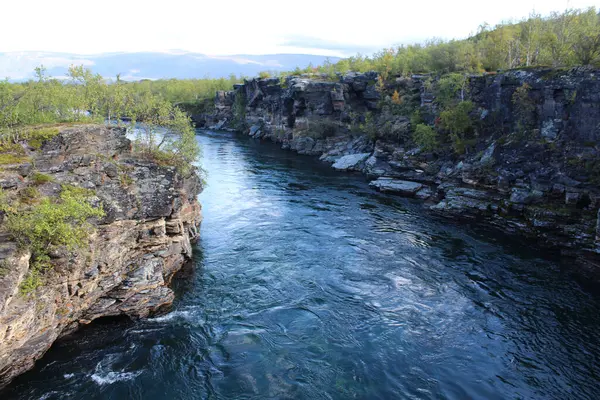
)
(532, 169)
(151, 217)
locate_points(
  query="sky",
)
(222, 27)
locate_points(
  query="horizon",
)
(280, 50)
(309, 32)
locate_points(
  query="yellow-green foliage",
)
(52, 222)
(182, 90)
(426, 137)
(457, 121)
(9, 159)
(29, 195)
(560, 39)
(37, 137)
(7, 146)
(32, 281)
(88, 97)
(368, 126)
(450, 89)
(39, 179)
(168, 138)
(45, 100)
(57, 222)
(4, 268)
(4, 206)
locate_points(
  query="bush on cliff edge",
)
(50, 224)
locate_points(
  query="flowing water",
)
(309, 285)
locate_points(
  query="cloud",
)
(237, 60)
(311, 42)
(21, 65)
(244, 61)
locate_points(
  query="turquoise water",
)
(309, 285)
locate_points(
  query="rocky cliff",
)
(529, 164)
(151, 216)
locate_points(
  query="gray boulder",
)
(404, 188)
(351, 162)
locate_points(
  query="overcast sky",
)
(220, 27)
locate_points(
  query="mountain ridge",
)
(19, 66)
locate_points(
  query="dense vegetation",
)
(28, 110)
(567, 39)
(44, 225)
(31, 113)
(559, 40)
(88, 97)
(190, 95)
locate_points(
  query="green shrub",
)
(32, 281)
(7, 146)
(61, 222)
(457, 121)
(450, 89)
(369, 126)
(5, 206)
(524, 109)
(168, 138)
(426, 137)
(58, 222)
(37, 137)
(125, 179)
(29, 195)
(199, 106)
(416, 118)
(9, 159)
(39, 178)
(4, 268)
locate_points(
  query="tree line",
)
(561, 39)
(558, 40)
(148, 107)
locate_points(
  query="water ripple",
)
(308, 285)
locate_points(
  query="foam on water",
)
(112, 377)
(179, 315)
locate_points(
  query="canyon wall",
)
(529, 164)
(151, 217)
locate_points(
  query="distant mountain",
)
(153, 65)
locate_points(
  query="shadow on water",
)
(309, 285)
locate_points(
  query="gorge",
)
(307, 283)
(300, 201)
(525, 162)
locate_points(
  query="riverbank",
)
(307, 284)
(527, 163)
(125, 226)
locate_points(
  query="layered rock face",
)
(532, 168)
(151, 217)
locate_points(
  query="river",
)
(307, 284)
